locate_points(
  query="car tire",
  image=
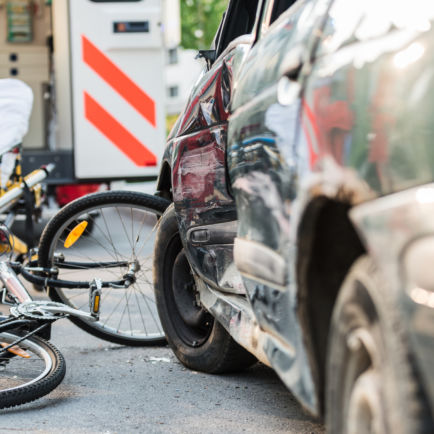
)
(372, 385)
(196, 338)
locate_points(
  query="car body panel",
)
(406, 261)
(328, 105)
(262, 167)
(371, 101)
(196, 155)
(344, 135)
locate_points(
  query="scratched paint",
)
(356, 127)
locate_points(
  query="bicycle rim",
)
(30, 376)
(118, 232)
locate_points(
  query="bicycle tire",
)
(25, 380)
(112, 214)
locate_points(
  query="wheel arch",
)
(164, 182)
(328, 245)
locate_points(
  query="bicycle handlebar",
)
(30, 181)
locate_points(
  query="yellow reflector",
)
(96, 304)
(75, 234)
(16, 350)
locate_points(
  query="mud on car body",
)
(301, 228)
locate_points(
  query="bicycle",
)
(109, 235)
(109, 269)
(97, 251)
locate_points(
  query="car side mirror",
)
(208, 55)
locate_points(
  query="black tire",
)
(196, 338)
(24, 380)
(371, 382)
(123, 226)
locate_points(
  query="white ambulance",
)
(96, 68)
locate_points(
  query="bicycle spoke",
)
(153, 231)
(157, 323)
(141, 315)
(116, 233)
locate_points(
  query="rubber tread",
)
(412, 416)
(45, 385)
(220, 353)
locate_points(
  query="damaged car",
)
(302, 179)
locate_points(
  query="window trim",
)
(115, 1)
(221, 44)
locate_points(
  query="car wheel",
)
(371, 383)
(196, 338)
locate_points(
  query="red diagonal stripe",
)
(119, 81)
(117, 134)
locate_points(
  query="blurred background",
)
(109, 79)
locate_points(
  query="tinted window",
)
(279, 7)
(273, 10)
(292, 31)
(239, 20)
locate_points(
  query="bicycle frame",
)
(10, 197)
(14, 288)
(23, 303)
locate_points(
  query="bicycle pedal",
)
(16, 350)
(95, 298)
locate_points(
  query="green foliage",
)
(200, 20)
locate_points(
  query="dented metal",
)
(325, 106)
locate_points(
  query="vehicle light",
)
(75, 234)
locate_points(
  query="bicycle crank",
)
(49, 311)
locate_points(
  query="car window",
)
(239, 20)
(263, 67)
(279, 7)
(272, 11)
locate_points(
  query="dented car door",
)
(206, 210)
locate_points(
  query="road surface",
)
(114, 389)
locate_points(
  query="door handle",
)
(288, 87)
(293, 63)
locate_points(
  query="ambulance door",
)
(117, 58)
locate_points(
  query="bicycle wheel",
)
(123, 226)
(35, 373)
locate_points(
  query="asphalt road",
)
(114, 389)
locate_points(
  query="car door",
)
(262, 160)
(205, 209)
